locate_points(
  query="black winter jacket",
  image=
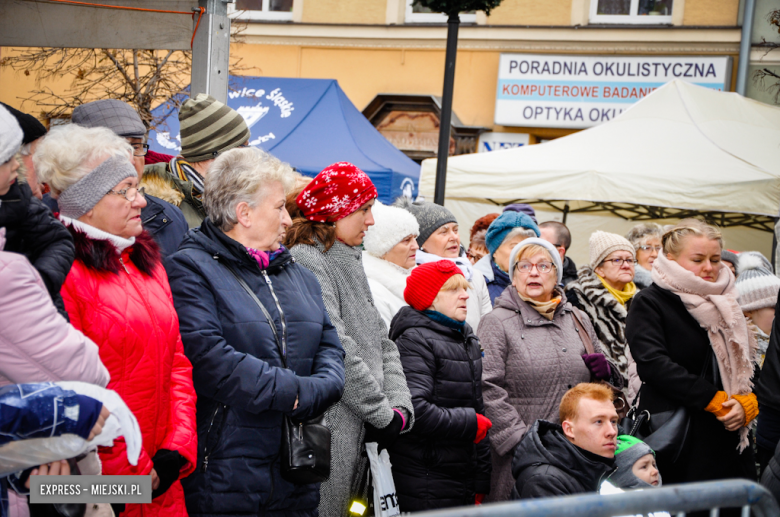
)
(243, 390)
(671, 350)
(768, 391)
(33, 231)
(437, 464)
(547, 464)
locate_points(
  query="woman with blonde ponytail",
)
(693, 349)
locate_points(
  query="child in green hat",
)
(635, 462)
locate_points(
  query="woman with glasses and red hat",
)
(330, 217)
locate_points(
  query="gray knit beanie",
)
(601, 244)
(119, 117)
(82, 196)
(10, 135)
(757, 285)
(629, 450)
(209, 127)
(552, 250)
(430, 216)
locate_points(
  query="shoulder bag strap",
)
(262, 308)
(584, 336)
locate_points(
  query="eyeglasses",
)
(129, 193)
(618, 262)
(140, 149)
(542, 267)
(651, 248)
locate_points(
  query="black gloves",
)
(387, 436)
(167, 464)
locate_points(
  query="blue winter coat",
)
(243, 390)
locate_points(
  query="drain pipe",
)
(744, 45)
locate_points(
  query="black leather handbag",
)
(665, 432)
(305, 450)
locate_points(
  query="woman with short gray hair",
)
(250, 372)
(646, 239)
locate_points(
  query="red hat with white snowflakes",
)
(336, 192)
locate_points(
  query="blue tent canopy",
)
(309, 123)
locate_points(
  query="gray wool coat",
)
(530, 362)
(375, 381)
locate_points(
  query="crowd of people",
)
(222, 295)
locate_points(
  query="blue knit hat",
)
(505, 223)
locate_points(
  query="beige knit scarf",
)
(714, 306)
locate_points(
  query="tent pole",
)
(744, 46)
(211, 51)
(446, 108)
(565, 212)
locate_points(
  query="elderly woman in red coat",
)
(117, 293)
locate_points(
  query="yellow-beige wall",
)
(711, 12)
(345, 11)
(531, 12)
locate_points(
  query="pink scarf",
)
(714, 306)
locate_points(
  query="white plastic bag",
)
(385, 500)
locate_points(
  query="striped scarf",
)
(185, 172)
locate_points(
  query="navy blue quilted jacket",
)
(243, 390)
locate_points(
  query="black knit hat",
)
(31, 126)
(209, 127)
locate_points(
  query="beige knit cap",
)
(601, 244)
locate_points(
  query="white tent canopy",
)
(682, 150)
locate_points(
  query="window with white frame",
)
(631, 11)
(418, 14)
(262, 9)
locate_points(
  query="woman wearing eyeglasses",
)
(603, 290)
(533, 354)
(117, 293)
(646, 239)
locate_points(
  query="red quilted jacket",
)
(125, 306)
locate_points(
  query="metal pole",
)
(744, 45)
(446, 108)
(211, 51)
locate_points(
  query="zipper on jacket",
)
(208, 432)
(281, 313)
(473, 371)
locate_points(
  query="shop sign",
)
(545, 90)
(495, 141)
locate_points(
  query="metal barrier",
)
(676, 500)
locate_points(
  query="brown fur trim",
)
(101, 255)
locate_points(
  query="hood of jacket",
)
(484, 266)
(409, 317)
(13, 204)
(390, 275)
(216, 243)
(102, 255)
(545, 444)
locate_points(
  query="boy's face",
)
(646, 470)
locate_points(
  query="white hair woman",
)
(246, 379)
(117, 293)
(646, 239)
(533, 354)
(693, 349)
(390, 249)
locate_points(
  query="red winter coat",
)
(124, 305)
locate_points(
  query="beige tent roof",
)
(681, 147)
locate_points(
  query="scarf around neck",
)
(264, 258)
(445, 320)
(714, 306)
(187, 172)
(462, 262)
(546, 309)
(623, 296)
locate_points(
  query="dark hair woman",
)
(333, 214)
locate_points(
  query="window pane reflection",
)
(614, 7)
(285, 6)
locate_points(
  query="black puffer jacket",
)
(547, 464)
(437, 464)
(33, 231)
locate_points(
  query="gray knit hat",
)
(757, 285)
(601, 244)
(82, 196)
(209, 127)
(10, 135)
(119, 117)
(629, 450)
(430, 216)
(731, 256)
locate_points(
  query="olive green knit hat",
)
(209, 127)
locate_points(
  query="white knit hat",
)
(10, 135)
(757, 285)
(601, 244)
(391, 226)
(556, 257)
